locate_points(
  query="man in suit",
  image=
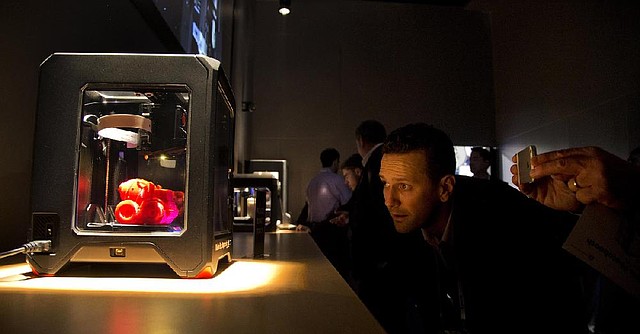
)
(369, 219)
(370, 225)
(497, 254)
(375, 245)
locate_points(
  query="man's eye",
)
(403, 186)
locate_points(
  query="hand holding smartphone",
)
(524, 164)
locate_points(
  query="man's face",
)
(477, 163)
(409, 194)
(351, 177)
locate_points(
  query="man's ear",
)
(447, 183)
(358, 171)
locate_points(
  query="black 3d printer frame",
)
(194, 253)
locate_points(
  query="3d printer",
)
(132, 162)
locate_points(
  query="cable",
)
(36, 246)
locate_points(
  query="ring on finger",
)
(573, 185)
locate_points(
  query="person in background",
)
(479, 162)
(326, 192)
(497, 255)
(376, 248)
(371, 227)
(405, 316)
(569, 179)
(352, 171)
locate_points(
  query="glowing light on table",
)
(240, 276)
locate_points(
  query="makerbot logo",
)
(223, 245)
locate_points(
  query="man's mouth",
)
(398, 216)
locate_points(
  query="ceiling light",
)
(284, 7)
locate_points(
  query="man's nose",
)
(390, 197)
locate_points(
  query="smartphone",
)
(523, 160)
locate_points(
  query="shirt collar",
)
(368, 155)
(446, 235)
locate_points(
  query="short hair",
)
(438, 147)
(328, 156)
(484, 153)
(352, 162)
(371, 131)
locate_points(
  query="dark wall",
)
(567, 73)
(29, 32)
(329, 65)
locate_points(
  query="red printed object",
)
(144, 203)
(126, 211)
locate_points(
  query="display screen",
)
(194, 23)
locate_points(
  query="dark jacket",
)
(379, 253)
(506, 255)
(372, 228)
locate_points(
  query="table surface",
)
(294, 289)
